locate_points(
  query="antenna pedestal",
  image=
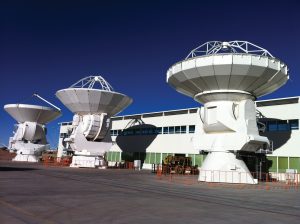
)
(225, 167)
(228, 127)
(29, 141)
(90, 140)
(27, 151)
(29, 138)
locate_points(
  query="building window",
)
(63, 135)
(192, 129)
(166, 130)
(283, 126)
(153, 131)
(183, 129)
(272, 126)
(66, 123)
(150, 131)
(128, 132)
(294, 124)
(115, 132)
(158, 130)
(145, 131)
(171, 130)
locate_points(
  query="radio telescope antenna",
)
(92, 105)
(226, 77)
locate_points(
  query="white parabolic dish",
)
(249, 72)
(89, 101)
(83, 98)
(32, 113)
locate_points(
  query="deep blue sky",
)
(48, 45)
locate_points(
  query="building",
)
(64, 132)
(281, 117)
(150, 137)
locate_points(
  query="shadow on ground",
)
(16, 169)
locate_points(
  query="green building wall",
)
(149, 157)
(277, 164)
(280, 164)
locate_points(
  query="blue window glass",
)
(294, 124)
(177, 129)
(272, 126)
(158, 130)
(144, 131)
(192, 129)
(166, 130)
(283, 126)
(183, 129)
(171, 130)
(150, 131)
(127, 132)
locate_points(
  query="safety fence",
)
(66, 161)
(236, 180)
(178, 169)
(53, 161)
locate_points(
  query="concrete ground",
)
(32, 193)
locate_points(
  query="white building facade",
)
(281, 117)
(150, 137)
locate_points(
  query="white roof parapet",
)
(89, 82)
(236, 46)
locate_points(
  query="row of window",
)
(66, 123)
(63, 135)
(281, 164)
(281, 125)
(154, 130)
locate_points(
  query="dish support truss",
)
(236, 46)
(89, 82)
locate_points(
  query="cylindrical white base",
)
(87, 161)
(26, 158)
(224, 167)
